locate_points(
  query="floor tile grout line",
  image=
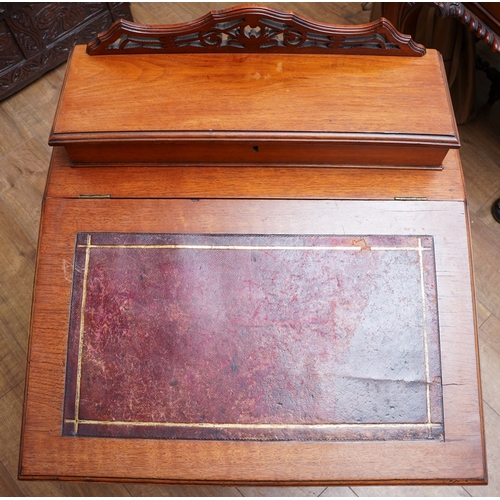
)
(479, 325)
(7, 204)
(29, 128)
(482, 340)
(18, 221)
(152, 13)
(12, 339)
(487, 203)
(491, 408)
(23, 121)
(13, 388)
(37, 148)
(33, 138)
(126, 486)
(9, 331)
(2, 157)
(487, 227)
(11, 151)
(465, 489)
(15, 481)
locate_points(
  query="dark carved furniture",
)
(480, 19)
(36, 37)
(495, 210)
(483, 19)
(220, 297)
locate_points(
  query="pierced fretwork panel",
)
(254, 29)
(375, 41)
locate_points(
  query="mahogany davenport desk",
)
(254, 267)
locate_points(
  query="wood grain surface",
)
(256, 182)
(45, 453)
(296, 93)
(266, 109)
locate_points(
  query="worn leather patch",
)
(262, 337)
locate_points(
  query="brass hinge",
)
(410, 198)
(94, 196)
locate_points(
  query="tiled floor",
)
(25, 121)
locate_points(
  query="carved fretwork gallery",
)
(254, 29)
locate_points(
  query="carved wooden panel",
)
(36, 37)
(481, 18)
(7, 8)
(10, 53)
(466, 14)
(255, 29)
(38, 25)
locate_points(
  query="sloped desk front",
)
(350, 357)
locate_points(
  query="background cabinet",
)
(36, 37)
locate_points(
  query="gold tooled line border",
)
(210, 425)
(82, 329)
(424, 324)
(250, 247)
(88, 246)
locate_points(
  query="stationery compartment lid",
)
(255, 86)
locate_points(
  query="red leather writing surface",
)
(253, 337)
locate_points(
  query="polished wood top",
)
(324, 97)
